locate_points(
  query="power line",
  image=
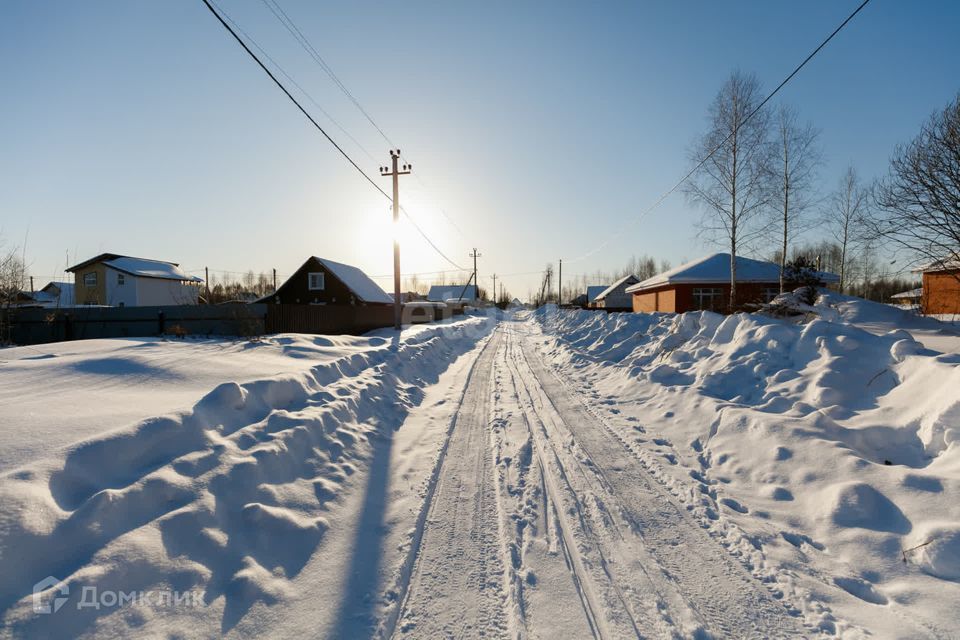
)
(297, 34)
(686, 177)
(321, 129)
(307, 46)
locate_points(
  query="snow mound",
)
(940, 557)
(857, 504)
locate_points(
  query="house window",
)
(315, 281)
(705, 299)
(90, 280)
(769, 293)
(120, 279)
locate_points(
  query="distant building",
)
(941, 287)
(123, 281)
(910, 298)
(53, 295)
(447, 292)
(321, 281)
(593, 291)
(615, 297)
(704, 284)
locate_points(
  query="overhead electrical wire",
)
(760, 106)
(307, 46)
(340, 149)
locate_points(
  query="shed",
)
(616, 297)
(941, 287)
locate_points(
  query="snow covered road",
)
(555, 474)
(636, 563)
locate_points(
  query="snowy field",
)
(550, 474)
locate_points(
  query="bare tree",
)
(731, 179)
(846, 218)
(13, 276)
(920, 199)
(793, 165)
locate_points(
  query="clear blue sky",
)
(541, 129)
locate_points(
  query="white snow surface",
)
(146, 268)
(545, 474)
(824, 453)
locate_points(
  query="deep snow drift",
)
(829, 455)
(191, 519)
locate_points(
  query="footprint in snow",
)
(730, 503)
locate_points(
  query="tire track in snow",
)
(729, 600)
(456, 586)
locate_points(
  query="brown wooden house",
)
(941, 288)
(320, 281)
(704, 284)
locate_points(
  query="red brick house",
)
(704, 284)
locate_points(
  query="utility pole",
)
(476, 282)
(395, 173)
(31, 286)
(274, 280)
(206, 281)
(494, 289)
(560, 284)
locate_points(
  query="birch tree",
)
(845, 217)
(795, 157)
(731, 175)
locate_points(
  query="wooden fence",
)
(330, 319)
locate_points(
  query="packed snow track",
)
(543, 521)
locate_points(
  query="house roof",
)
(913, 293)
(140, 267)
(715, 268)
(442, 293)
(625, 279)
(949, 264)
(595, 290)
(357, 281)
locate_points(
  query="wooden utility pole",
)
(494, 288)
(274, 280)
(560, 284)
(206, 281)
(31, 286)
(476, 282)
(395, 173)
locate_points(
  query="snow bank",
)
(819, 450)
(228, 500)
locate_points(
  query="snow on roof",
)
(144, 268)
(442, 293)
(595, 290)
(603, 294)
(948, 264)
(716, 268)
(913, 293)
(357, 281)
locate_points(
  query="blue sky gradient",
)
(541, 129)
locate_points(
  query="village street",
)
(544, 520)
